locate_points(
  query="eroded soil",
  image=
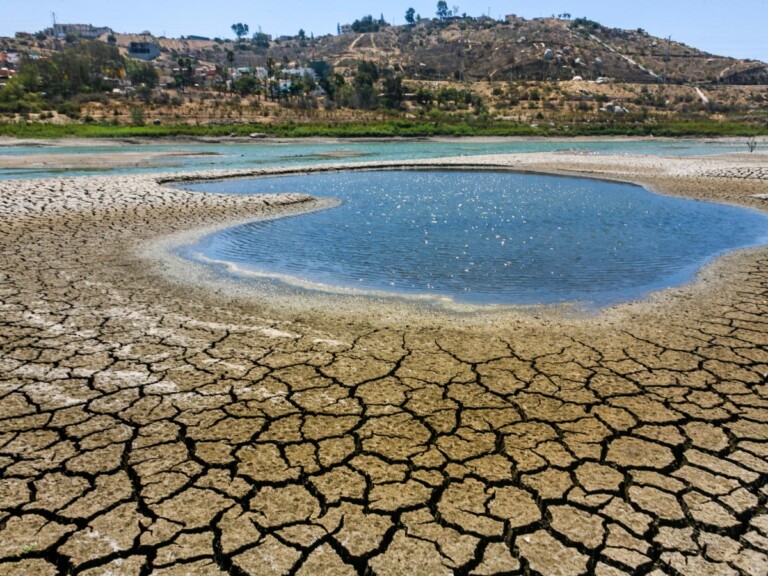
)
(149, 426)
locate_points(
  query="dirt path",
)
(354, 42)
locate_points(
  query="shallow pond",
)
(481, 237)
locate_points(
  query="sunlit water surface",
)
(482, 237)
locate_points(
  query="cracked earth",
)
(154, 426)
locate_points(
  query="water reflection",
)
(484, 237)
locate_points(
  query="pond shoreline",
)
(463, 239)
(647, 169)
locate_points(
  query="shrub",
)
(69, 109)
(138, 118)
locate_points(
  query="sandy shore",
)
(101, 161)
(156, 419)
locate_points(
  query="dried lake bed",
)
(156, 418)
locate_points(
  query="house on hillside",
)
(258, 72)
(204, 76)
(143, 50)
(5, 75)
(299, 73)
(87, 31)
(9, 60)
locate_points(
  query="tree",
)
(139, 72)
(78, 68)
(442, 10)
(425, 97)
(245, 85)
(261, 40)
(394, 93)
(365, 93)
(231, 63)
(240, 30)
(186, 74)
(409, 15)
(14, 98)
(302, 34)
(321, 68)
(138, 118)
(332, 83)
(367, 24)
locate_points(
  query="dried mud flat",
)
(150, 425)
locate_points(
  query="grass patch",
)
(387, 129)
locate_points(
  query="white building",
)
(299, 73)
(82, 30)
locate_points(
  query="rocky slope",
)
(486, 49)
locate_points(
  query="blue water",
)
(294, 152)
(482, 237)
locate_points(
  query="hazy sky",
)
(729, 28)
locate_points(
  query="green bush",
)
(70, 109)
(15, 100)
(138, 117)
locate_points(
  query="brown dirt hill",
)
(540, 49)
(486, 49)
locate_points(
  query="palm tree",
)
(231, 62)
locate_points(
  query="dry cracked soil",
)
(154, 426)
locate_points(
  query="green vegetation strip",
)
(395, 128)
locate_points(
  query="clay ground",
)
(154, 424)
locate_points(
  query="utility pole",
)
(666, 59)
(56, 44)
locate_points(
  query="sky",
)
(734, 28)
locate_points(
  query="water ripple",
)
(484, 237)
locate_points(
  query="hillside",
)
(541, 49)
(548, 73)
(485, 49)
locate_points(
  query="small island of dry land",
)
(155, 418)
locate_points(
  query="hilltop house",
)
(143, 50)
(87, 31)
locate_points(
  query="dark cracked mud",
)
(149, 426)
